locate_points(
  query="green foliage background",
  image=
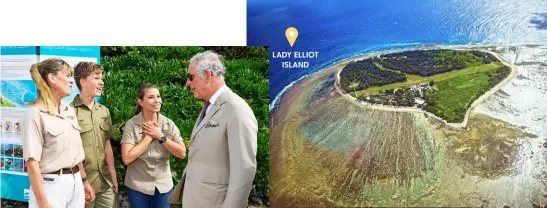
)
(126, 68)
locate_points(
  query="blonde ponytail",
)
(40, 70)
(44, 93)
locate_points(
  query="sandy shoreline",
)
(463, 124)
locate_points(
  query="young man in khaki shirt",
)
(96, 132)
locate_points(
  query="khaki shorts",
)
(105, 199)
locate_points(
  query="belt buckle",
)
(61, 171)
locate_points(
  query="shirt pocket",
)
(105, 128)
(216, 138)
(56, 136)
(86, 134)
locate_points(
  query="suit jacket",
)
(222, 155)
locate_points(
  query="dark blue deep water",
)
(342, 29)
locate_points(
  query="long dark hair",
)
(142, 88)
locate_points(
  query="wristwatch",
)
(163, 139)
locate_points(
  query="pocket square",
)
(211, 124)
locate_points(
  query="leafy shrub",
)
(240, 52)
(126, 68)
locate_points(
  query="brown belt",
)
(72, 170)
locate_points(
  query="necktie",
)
(204, 111)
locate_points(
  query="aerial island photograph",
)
(408, 104)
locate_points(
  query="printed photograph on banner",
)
(2, 162)
(18, 93)
(18, 150)
(8, 149)
(8, 163)
(19, 165)
(413, 104)
(205, 100)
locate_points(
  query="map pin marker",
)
(291, 33)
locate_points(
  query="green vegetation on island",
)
(454, 96)
(444, 82)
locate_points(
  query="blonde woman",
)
(148, 140)
(52, 147)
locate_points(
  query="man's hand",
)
(152, 129)
(89, 193)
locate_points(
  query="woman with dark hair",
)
(52, 147)
(148, 140)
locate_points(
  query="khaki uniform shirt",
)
(53, 140)
(150, 170)
(96, 129)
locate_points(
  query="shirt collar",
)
(78, 102)
(63, 110)
(217, 93)
(139, 118)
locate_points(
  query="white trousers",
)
(62, 191)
